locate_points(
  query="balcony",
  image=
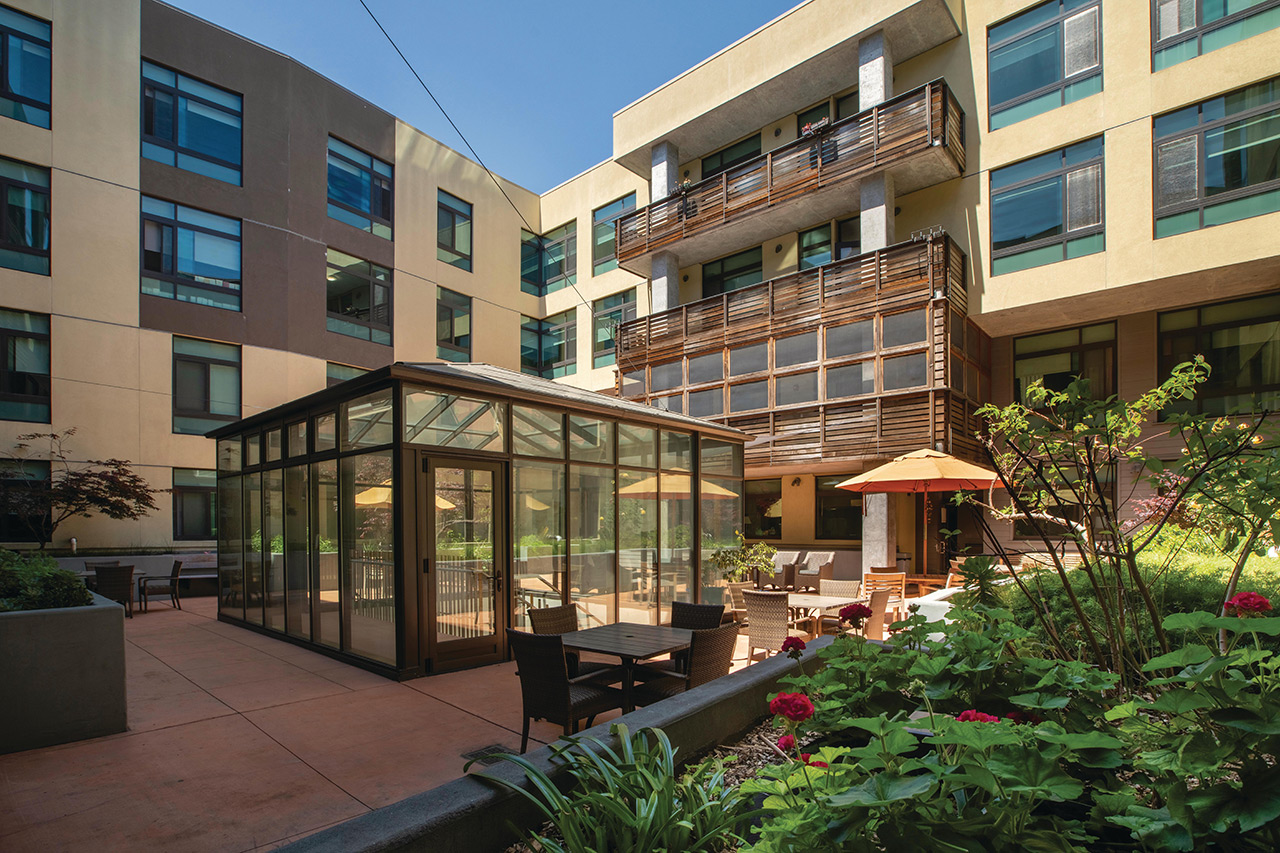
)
(918, 137)
(893, 393)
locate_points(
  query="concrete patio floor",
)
(241, 742)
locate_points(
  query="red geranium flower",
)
(1248, 602)
(804, 756)
(793, 644)
(972, 716)
(855, 613)
(796, 707)
(786, 743)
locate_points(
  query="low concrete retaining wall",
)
(473, 815)
(62, 672)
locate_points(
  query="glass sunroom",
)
(401, 520)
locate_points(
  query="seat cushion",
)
(657, 690)
(588, 699)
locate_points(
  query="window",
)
(359, 189)
(733, 273)
(206, 385)
(1241, 342)
(1184, 29)
(812, 115)
(194, 514)
(190, 124)
(24, 373)
(531, 263)
(847, 105)
(733, 155)
(839, 511)
(548, 348)
(763, 509)
(25, 58)
(606, 316)
(815, 247)
(358, 298)
(550, 262)
(453, 325)
(848, 238)
(190, 255)
(1048, 208)
(1046, 57)
(1218, 161)
(24, 228)
(604, 249)
(336, 374)
(1059, 357)
(453, 228)
(19, 474)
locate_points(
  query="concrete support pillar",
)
(664, 282)
(879, 532)
(875, 70)
(665, 168)
(877, 202)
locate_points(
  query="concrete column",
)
(664, 282)
(666, 166)
(879, 532)
(877, 202)
(875, 71)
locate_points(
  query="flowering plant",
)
(793, 646)
(1248, 602)
(796, 707)
(975, 716)
(854, 614)
(786, 743)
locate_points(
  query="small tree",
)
(97, 486)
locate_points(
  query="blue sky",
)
(533, 85)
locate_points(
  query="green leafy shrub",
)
(633, 799)
(743, 562)
(34, 582)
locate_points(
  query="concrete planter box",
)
(62, 672)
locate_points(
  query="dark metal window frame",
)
(211, 524)
(331, 380)
(12, 524)
(819, 493)
(1063, 82)
(454, 311)
(757, 533)
(1202, 128)
(374, 177)
(1199, 29)
(598, 260)
(456, 216)
(718, 279)
(5, 60)
(1112, 345)
(544, 329)
(371, 283)
(1060, 171)
(8, 243)
(175, 92)
(172, 275)
(726, 165)
(616, 316)
(8, 375)
(205, 362)
(1203, 333)
(830, 244)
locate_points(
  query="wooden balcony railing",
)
(875, 139)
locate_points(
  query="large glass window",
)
(368, 555)
(606, 316)
(24, 226)
(1241, 342)
(190, 124)
(206, 385)
(24, 371)
(447, 420)
(1047, 56)
(592, 576)
(231, 580)
(190, 255)
(336, 374)
(541, 547)
(604, 249)
(733, 272)
(1188, 28)
(360, 189)
(18, 474)
(732, 155)
(560, 257)
(453, 231)
(194, 504)
(1218, 161)
(297, 562)
(453, 325)
(763, 509)
(549, 348)
(637, 544)
(358, 298)
(328, 597)
(838, 512)
(25, 56)
(1057, 358)
(1048, 208)
(815, 247)
(848, 238)
(272, 544)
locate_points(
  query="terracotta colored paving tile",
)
(286, 690)
(174, 710)
(232, 672)
(352, 677)
(214, 785)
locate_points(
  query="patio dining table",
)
(630, 642)
(814, 604)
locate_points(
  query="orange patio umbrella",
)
(674, 487)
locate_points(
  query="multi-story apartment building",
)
(841, 234)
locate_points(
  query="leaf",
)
(1078, 740)
(1185, 656)
(1154, 827)
(884, 788)
(1197, 621)
(1179, 700)
(1040, 700)
(1252, 805)
(1245, 721)
(1268, 625)
(1028, 771)
(979, 736)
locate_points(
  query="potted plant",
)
(741, 563)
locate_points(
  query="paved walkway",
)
(241, 742)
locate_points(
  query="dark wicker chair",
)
(115, 583)
(564, 620)
(695, 617)
(547, 690)
(710, 656)
(148, 586)
(91, 566)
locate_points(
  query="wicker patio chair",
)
(817, 567)
(769, 621)
(546, 690)
(148, 586)
(563, 619)
(737, 611)
(894, 582)
(115, 583)
(710, 657)
(852, 589)
(92, 565)
(874, 625)
(694, 617)
(784, 570)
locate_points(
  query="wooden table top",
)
(816, 601)
(629, 640)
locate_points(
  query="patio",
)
(239, 741)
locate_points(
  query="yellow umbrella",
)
(673, 487)
(380, 496)
(534, 504)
